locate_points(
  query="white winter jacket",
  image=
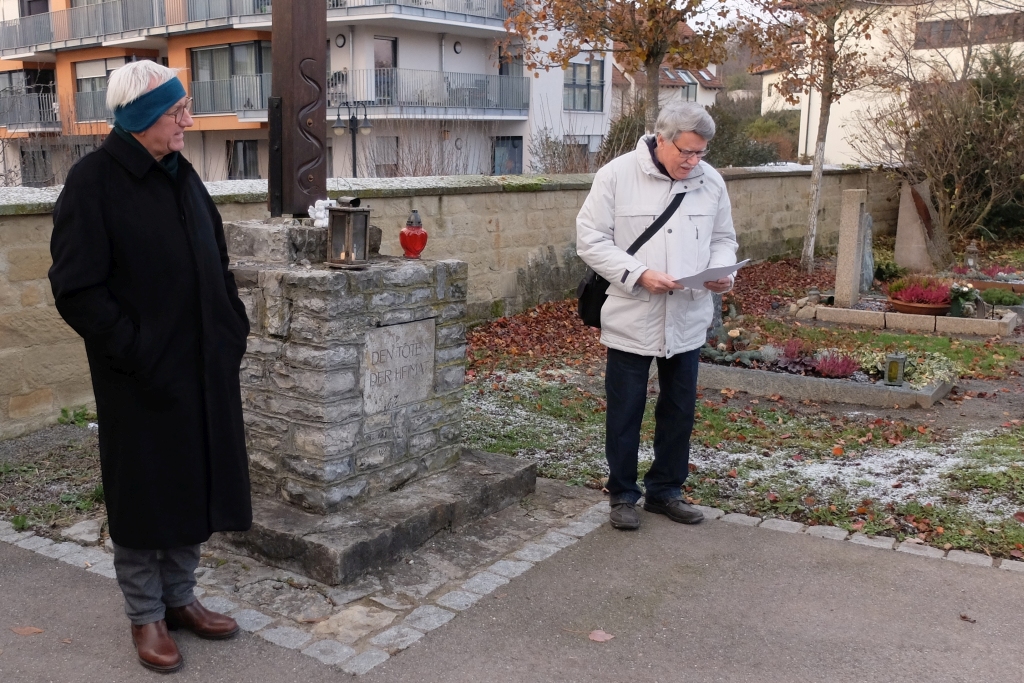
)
(628, 194)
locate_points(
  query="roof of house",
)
(670, 77)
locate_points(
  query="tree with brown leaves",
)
(643, 35)
(819, 46)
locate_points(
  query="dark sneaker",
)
(676, 510)
(624, 516)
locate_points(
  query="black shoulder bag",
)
(592, 290)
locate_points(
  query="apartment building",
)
(426, 78)
(942, 39)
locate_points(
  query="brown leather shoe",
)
(201, 621)
(156, 649)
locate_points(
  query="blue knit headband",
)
(145, 110)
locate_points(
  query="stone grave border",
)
(818, 389)
(429, 617)
(913, 323)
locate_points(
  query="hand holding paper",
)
(697, 281)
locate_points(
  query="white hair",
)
(129, 82)
(684, 117)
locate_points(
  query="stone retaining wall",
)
(517, 235)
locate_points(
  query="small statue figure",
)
(318, 212)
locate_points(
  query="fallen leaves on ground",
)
(759, 284)
(599, 636)
(550, 334)
(1019, 516)
(26, 630)
(964, 617)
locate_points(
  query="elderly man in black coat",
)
(140, 271)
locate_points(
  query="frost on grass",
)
(524, 417)
(548, 417)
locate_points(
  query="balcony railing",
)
(89, 21)
(107, 18)
(492, 9)
(239, 93)
(30, 110)
(410, 87)
(91, 106)
(220, 9)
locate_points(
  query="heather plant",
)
(831, 363)
(995, 270)
(915, 289)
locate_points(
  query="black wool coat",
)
(140, 271)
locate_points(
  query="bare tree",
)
(819, 46)
(963, 138)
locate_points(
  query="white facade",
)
(913, 33)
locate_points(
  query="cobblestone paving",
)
(360, 625)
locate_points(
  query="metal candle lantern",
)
(348, 235)
(894, 366)
(971, 255)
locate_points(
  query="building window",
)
(509, 64)
(584, 87)
(507, 157)
(243, 160)
(36, 170)
(91, 88)
(33, 7)
(998, 28)
(936, 34)
(231, 77)
(385, 156)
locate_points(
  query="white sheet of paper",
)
(710, 275)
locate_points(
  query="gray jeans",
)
(152, 580)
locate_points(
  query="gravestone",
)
(911, 251)
(850, 260)
(352, 395)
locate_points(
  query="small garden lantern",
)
(971, 256)
(348, 234)
(894, 366)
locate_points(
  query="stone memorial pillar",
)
(352, 396)
(851, 248)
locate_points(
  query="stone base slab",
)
(817, 389)
(338, 547)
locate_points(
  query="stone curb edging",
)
(328, 651)
(817, 389)
(910, 322)
(429, 617)
(881, 542)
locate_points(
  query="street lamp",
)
(352, 125)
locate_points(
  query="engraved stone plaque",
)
(398, 365)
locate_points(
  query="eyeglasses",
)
(178, 113)
(689, 154)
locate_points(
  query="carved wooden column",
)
(299, 80)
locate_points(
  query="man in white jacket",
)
(647, 314)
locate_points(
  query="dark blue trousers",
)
(625, 384)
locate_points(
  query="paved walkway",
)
(716, 602)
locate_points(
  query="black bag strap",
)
(656, 225)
